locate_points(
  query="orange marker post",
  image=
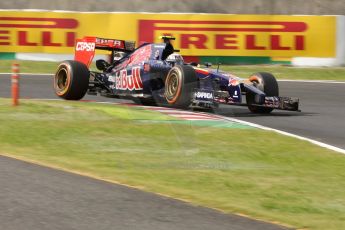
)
(15, 84)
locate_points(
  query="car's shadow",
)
(242, 111)
(233, 111)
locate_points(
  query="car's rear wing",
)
(85, 47)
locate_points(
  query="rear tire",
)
(71, 80)
(179, 86)
(267, 83)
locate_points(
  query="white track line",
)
(321, 144)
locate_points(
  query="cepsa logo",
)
(227, 35)
(37, 31)
(85, 46)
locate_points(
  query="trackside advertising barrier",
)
(215, 36)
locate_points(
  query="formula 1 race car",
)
(155, 74)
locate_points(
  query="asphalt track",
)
(35, 197)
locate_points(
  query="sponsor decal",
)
(196, 34)
(110, 43)
(235, 95)
(123, 81)
(203, 95)
(85, 50)
(230, 39)
(37, 31)
(85, 46)
(255, 36)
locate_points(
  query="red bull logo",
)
(129, 82)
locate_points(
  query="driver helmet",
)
(175, 58)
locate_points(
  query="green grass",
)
(288, 72)
(32, 66)
(29, 66)
(238, 170)
(281, 72)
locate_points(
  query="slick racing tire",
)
(265, 82)
(71, 80)
(179, 86)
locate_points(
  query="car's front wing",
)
(210, 99)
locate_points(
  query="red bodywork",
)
(85, 47)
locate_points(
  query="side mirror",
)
(208, 64)
(102, 64)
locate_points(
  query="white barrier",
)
(52, 57)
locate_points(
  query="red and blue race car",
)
(155, 74)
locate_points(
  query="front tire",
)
(268, 84)
(71, 80)
(179, 86)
